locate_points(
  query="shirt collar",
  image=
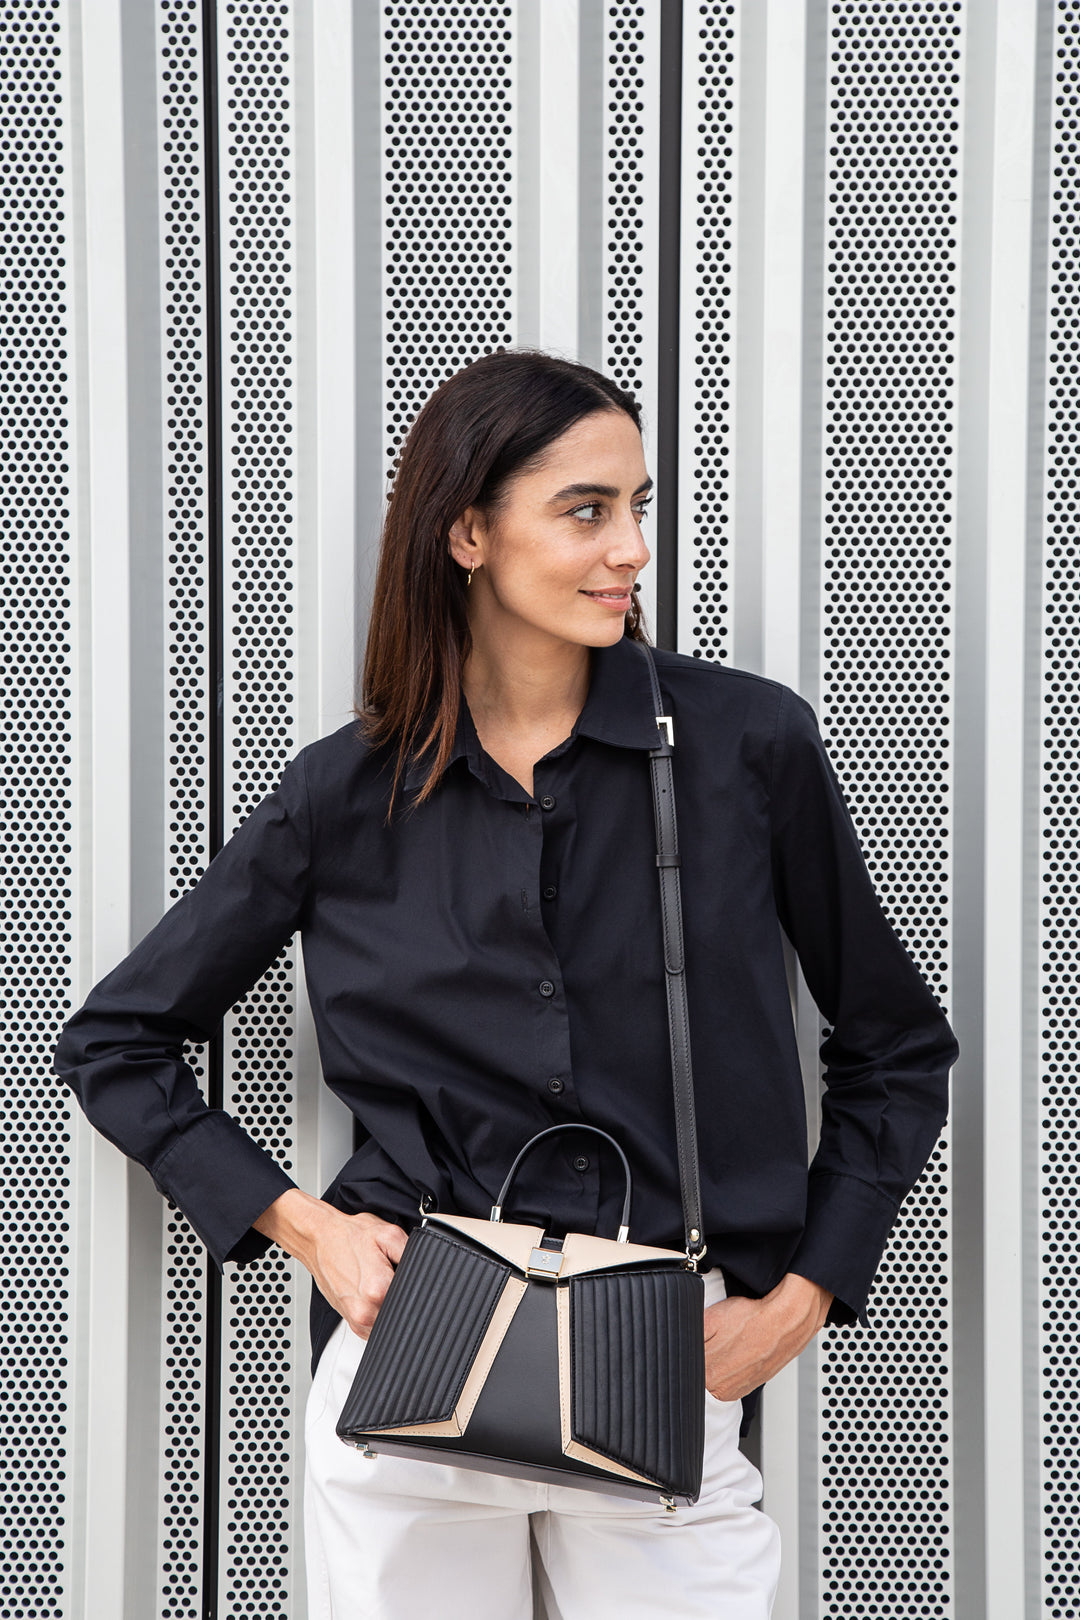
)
(618, 710)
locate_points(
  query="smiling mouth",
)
(610, 596)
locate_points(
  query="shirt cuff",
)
(847, 1226)
(222, 1181)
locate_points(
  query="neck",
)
(524, 684)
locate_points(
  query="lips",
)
(618, 595)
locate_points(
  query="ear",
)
(467, 539)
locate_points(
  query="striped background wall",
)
(834, 249)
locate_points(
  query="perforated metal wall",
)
(185, 531)
(448, 74)
(887, 689)
(257, 111)
(1059, 979)
(848, 312)
(708, 315)
(629, 56)
(38, 802)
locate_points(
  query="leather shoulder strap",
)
(667, 861)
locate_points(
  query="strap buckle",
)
(695, 1250)
(665, 724)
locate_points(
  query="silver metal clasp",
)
(693, 1255)
(546, 1263)
(665, 723)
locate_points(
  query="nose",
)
(628, 548)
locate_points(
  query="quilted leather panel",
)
(637, 1376)
(426, 1334)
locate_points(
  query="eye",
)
(641, 507)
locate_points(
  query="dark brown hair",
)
(487, 423)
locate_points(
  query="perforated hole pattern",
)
(255, 76)
(625, 314)
(183, 304)
(891, 339)
(706, 536)
(448, 206)
(1059, 1156)
(36, 805)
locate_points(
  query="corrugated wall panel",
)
(258, 222)
(183, 533)
(1057, 1144)
(41, 957)
(886, 683)
(246, 242)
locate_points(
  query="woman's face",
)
(569, 546)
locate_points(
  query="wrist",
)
(800, 1296)
(294, 1221)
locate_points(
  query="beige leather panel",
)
(586, 1253)
(509, 1242)
(449, 1427)
(582, 1453)
(571, 1447)
(562, 1312)
(581, 1250)
(501, 1317)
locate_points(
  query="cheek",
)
(543, 571)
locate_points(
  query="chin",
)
(597, 635)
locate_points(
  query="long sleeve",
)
(890, 1047)
(122, 1052)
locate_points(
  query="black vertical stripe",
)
(216, 754)
(667, 448)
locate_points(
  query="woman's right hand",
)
(351, 1257)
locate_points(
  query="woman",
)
(472, 869)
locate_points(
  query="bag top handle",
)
(552, 1130)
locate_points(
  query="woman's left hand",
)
(747, 1341)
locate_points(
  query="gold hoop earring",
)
(471, 567)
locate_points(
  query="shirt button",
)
(550, 892)
(555, 1084)
(547, 988)
(581, 1162)
(547, 802)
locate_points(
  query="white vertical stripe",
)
(557, 200)
(546, 97)
(779, 1431)
(1010, 180)
(101, 456)
(773, 124)
(326, 430)
(782, 337)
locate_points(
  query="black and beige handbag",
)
(577, 1360)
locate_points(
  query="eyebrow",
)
(595, 489)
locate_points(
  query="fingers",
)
(355, 1266)
(392, 1241)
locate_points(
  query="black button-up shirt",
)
(491, 964)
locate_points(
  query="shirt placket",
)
(546, 818)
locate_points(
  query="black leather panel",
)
(637, 1343)
(518, 1410)
(426, 1335)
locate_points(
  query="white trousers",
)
(395, 1538)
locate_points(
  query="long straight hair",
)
(485, 424)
